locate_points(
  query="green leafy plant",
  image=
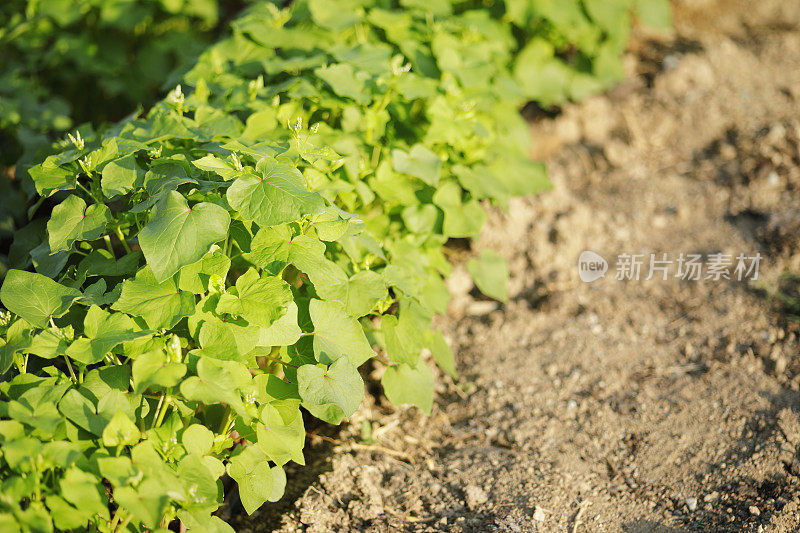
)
(67, 62)
(185, 317)
(85, 62)
(237, 254)
(571, 49)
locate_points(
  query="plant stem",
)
(279, 361)
(20, 365)
(158, 409)
(87, 191)
(122, 239)
(71, 371)
(116, 519)
(108, 245)
(164, 405)
(38, 489)
(125, 522)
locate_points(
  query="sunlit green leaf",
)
(177, 235)
(404, 384)
(331, 394)
(34, 297)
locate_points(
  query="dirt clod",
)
(475, 496)
(691, 503)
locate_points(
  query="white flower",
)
(298, 125)
(77, 140)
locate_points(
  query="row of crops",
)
(185, 284)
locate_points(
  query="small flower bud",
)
(77, 140)
(66, 333)
(174, 354)
(216, 284)
(236, 161)
(176, 98)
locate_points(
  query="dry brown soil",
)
(613, 406)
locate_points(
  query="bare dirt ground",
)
(614, 406)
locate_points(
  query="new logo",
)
(591, 266)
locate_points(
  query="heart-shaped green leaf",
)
(337, 335)
(160, 304)
(332, 393)
(152, 368)
(281, 434)
(261, 300)
(277, 196)
(258, 483)
(72, 221)
(103, 332)
(490, 272)
(420, 162)
(404, 384)
(177, 235)
(120, 176)
(218, 381)
(36, 298)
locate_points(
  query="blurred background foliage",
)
(69, 65)
(66, 62)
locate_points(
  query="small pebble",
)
(538, 514)
(481, 307)
(711, 497)
(755, 511)
(773, 179)
(691, 503)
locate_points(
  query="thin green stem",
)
(107, 239)
(158, 409)
(38, 488)
(376, 154)
(87, 191)
(164, 405)
(112, 358)
(124, 523)
(229, 428)
(71, 370)
(116, 519)
(279, 361)
(122, 239)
